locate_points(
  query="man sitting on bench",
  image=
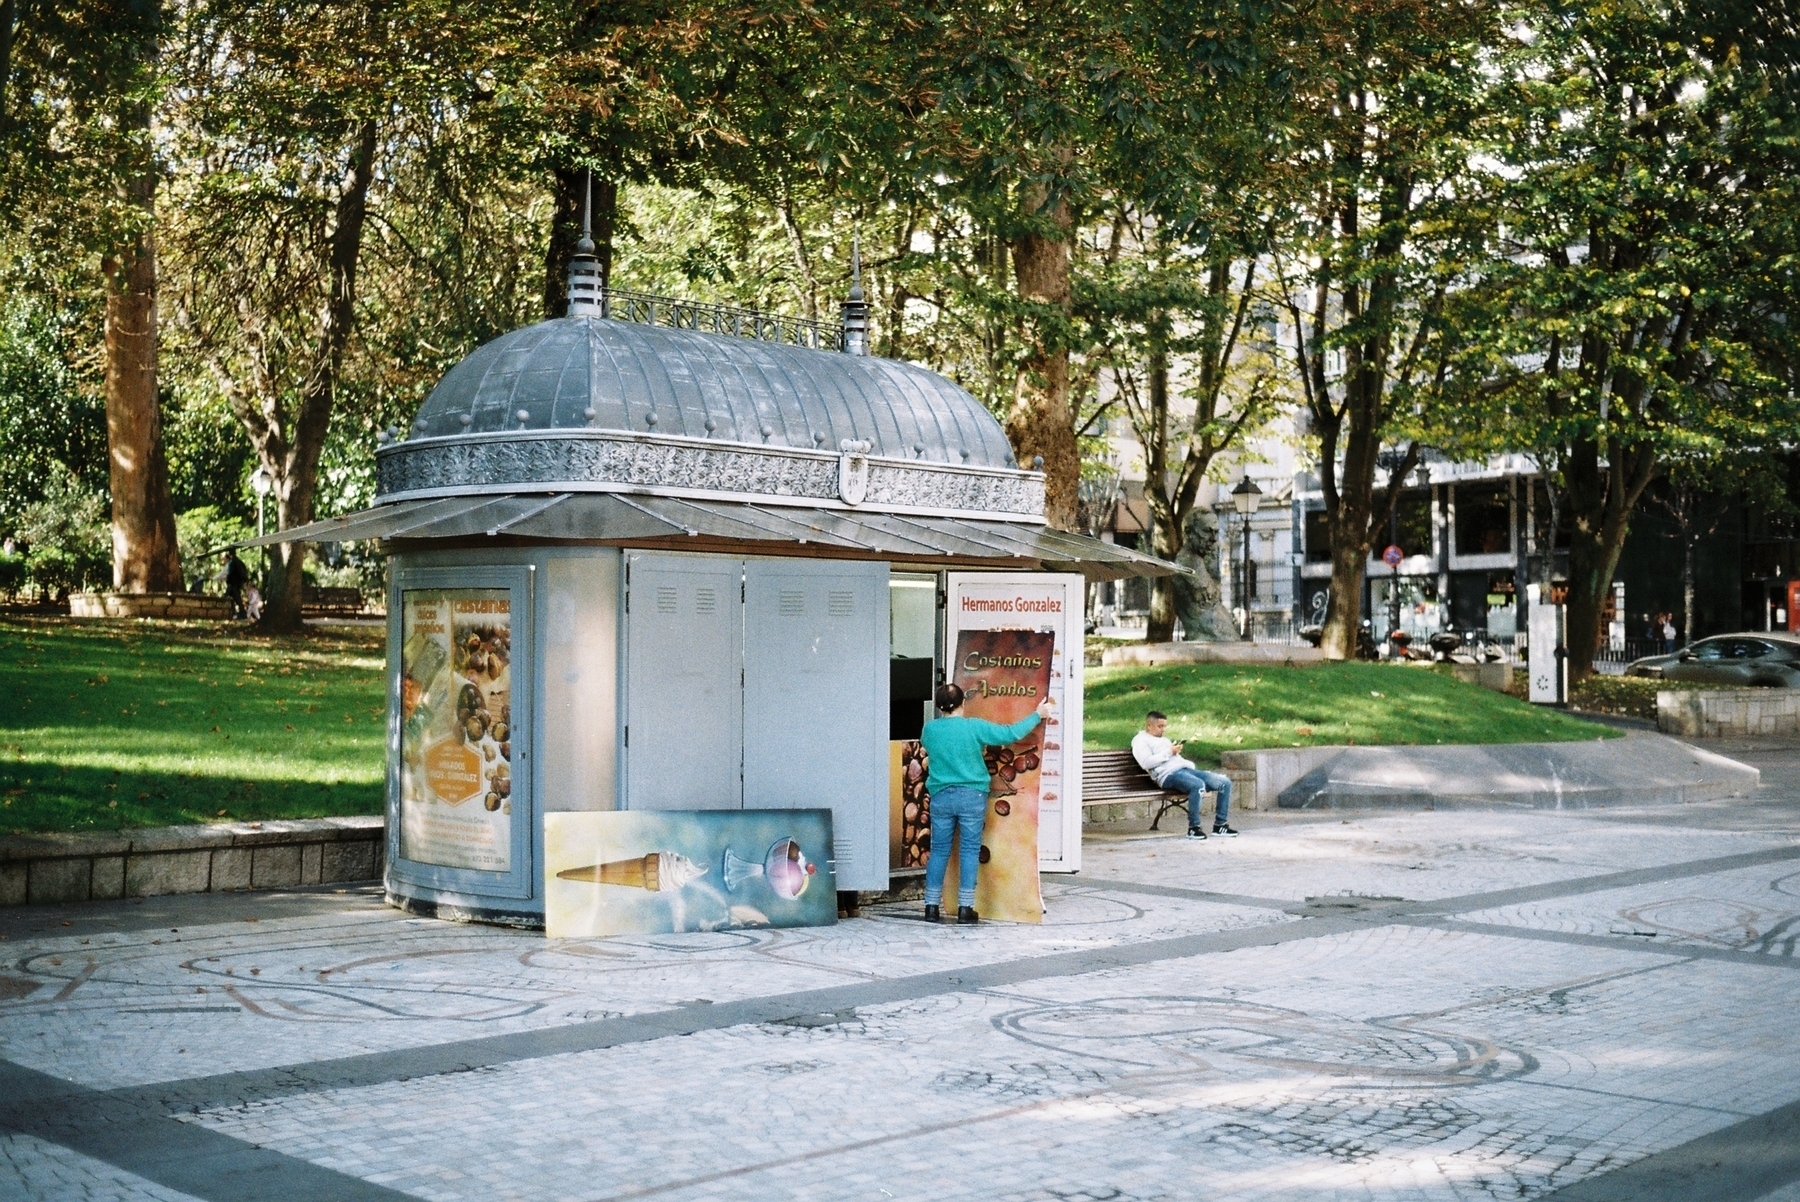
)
(1162, 760)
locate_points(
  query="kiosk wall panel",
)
(816, 701)
(684, 709)
(579, 724)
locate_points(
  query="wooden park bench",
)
(1113, 777)
(331, 602)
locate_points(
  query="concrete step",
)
(1639, 769)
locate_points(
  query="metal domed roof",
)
(596, 374)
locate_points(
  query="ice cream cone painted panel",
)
(658, 872)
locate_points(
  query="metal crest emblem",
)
(853, 470)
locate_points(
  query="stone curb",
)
(48, 869)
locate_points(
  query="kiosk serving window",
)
(460, 803)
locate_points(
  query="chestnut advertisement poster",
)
(456, 733)
(1004, 674)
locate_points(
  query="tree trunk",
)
(803, 259)
(1349, 526)
(565, 230)
(1687, 587)
(1547, 568)
(1040, 422)
(145, 556)
(1600, 501)
(1165, 525)
(296, 467)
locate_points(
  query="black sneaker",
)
(966, 916)
(931, 913)
(1224, 831)
(1195, 832)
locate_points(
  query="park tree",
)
(288, 116)
(1385, 92)
(1185, 332)
(583, 98)
(1636, 309)
(78, 171)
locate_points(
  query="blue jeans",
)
(956, 807)
(1195, 782)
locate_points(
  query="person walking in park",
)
(236, 576)
(958, 787)
(1160, 758)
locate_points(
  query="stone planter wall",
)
(1496, 676)
(1258, 777)
(49, 869)
(193, 606)
(1727, 713)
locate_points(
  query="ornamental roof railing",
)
(713, 318)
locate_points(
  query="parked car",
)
(1768, 658)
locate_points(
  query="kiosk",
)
(671, 564)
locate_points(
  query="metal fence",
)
(1612, 662)
(641, 307)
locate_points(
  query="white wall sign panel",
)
(816, 701)
(1056, 603)
(1548, 677)
(684, 721)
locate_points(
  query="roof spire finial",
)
(856, 308)
(586, 245)
(586, 296)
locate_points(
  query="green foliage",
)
(12, 574)
(1218, 707)
(130, 724)
(68, 537)
(1628, 696)
(209, 460)
(1632, 312)
(203, 533)
(51, 415)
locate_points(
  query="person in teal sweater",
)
(958, 785)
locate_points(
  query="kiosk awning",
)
(682, 523)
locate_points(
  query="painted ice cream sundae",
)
(786, 868)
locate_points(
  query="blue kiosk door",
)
(684, 720)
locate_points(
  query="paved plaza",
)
(1441, 1005)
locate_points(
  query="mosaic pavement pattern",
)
(1393, 1006)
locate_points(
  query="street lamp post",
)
(1246, 497)
(263, 483)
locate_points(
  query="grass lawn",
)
(1224, 707)
(124, 724)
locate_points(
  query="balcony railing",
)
(816, 333)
